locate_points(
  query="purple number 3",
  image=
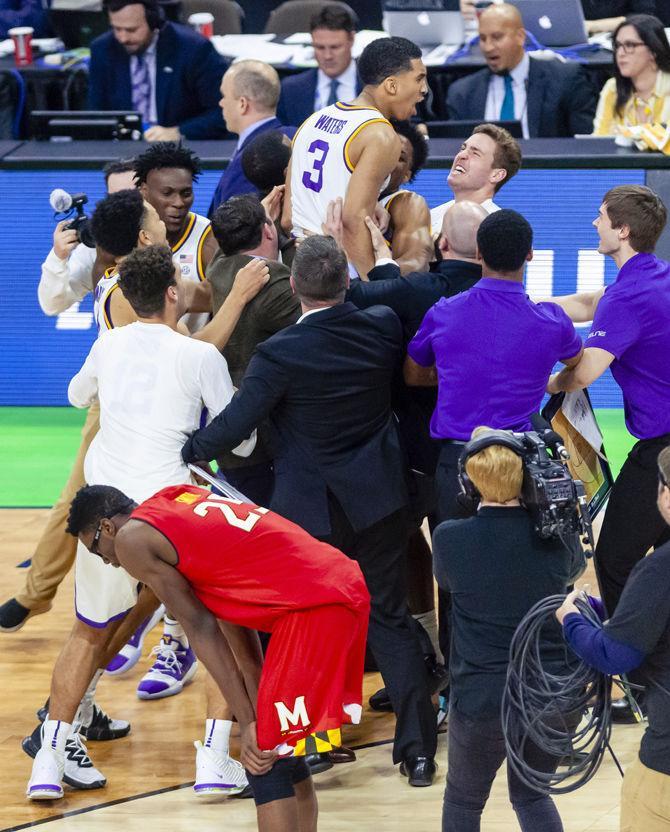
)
(320, 150)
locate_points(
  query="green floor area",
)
(39, 444)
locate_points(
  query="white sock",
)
(428, 621)
(55, 734)
(217, 735)
(174, 629)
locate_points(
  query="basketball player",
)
(349, 150)
(408, 233)
(152, 383)
(209, 557)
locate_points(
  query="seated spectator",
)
(24, 13)
(640, 90)
(606, 15)
(167, 72)
(249, 95)
(335, 79)
(549, 98)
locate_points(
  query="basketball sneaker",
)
(130, 653)
(175, 666)
(46, 777)
(217, 774)
(78, 769)
(95, 723)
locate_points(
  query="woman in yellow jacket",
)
(639, 93)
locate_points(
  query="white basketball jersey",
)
(320, 165)
(186, 253)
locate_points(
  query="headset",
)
(492, 437)
(152, 9)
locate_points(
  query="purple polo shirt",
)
(632, 322)
(494, 350)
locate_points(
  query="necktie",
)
(141, 87)
(332, 98)
(507, 109)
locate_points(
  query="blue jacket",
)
(233, 181)
(188, 78)
(298, 92)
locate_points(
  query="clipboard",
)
(571, 416)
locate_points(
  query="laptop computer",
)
(554, 22)
(425, 28)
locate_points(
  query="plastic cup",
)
(23, 44)
(202, 22)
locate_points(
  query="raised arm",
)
(412, 246)
(580, 307)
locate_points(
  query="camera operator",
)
(496, 567)
(69, 272)
(631, 335)
(633, 639)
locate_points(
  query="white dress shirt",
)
(496, 95)
(150, 57)
(346, 90)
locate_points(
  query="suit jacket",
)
(274, 308)
(411, 297)
(561, 98)
(298, 92)
(325, 383)
(233, 181)
(188, 78)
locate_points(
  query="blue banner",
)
(40, 354)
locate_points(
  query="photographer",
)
(69, 272)
(634, 639)
(496, 567)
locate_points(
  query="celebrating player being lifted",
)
(207, 558)
(349, 150)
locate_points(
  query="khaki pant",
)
(56, 550)
(645, 800)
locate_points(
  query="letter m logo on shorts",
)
(295, 717)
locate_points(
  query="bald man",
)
(249, 96)
(549, 98)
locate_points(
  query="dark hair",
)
(237, 224)
(507, 154)
(93, 502)
(152, 10)
(320, 269)
(641, 210)
(117, 166)
(117, 220)
(504, 239)
(265, 159)
(419, 144)
(144, 276)
(166, 155)
(385, 57)
(651, 32)
(336, 17)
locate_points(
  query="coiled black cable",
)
(544, 708)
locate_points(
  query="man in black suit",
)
(168, 73)
(548, 97)
(335, 79)
(325, 385)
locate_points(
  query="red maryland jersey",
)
(246, 564)
(252, 567)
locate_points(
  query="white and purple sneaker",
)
(217, 774)
(175, 666)
(130, 653)
(47, 775)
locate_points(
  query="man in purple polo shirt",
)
(630, 334)
(490, 350)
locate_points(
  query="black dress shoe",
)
(623, 714)
(380, 701)
(318, 762)
(419, 771)
(342, 755)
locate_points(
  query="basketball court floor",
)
(151, 771)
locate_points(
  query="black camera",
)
(556, 502)
(68, 205)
